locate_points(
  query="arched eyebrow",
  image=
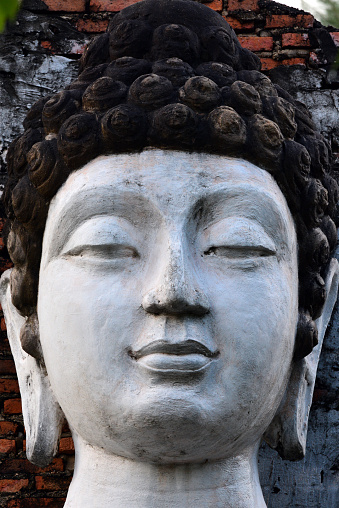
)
(85, 205)
(141, 208)
(248, 201)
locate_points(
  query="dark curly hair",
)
(172, 74)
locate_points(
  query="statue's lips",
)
(186, 356)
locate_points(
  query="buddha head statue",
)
(171, 220)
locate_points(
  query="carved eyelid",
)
(238, 233)
(100, 232)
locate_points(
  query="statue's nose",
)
(175, 287)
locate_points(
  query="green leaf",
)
(8, 10)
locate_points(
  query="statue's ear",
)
(43, 417)
(288, 431)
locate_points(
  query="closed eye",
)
(105, 251)
(239, 251)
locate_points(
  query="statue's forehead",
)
(156, 171)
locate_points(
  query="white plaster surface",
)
(167, 309)
(155, 250)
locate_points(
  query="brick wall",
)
(280, 35)
(38, 55)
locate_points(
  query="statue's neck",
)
(108, 481)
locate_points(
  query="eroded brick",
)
(92, 26)
(257, 43)
(285, 21)
(8, 428)
(293, 40)
(12, 406)
(110, 5)
(51, 483)
(33, 502)
(247, 5)
(7, 446)
(9, 386)
(237, 24)
(7, 366)
(25, 466)
(13, 485)
(66, 5)
(66, 445)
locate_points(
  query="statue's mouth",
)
(187, 347)
(186, 356)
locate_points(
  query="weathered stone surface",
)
(312, 482)
(28, 73)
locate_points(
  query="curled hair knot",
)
(78, 140)
(200, 93)
(175, 125)
(60, 107)
(103, 94)
(174, 40)
(221, 73)
(124, 127)
(228, 129)
(174, 69)
(127, 69)
(243, 98)
(151, 91)
(130, 38)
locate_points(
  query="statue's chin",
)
(168, 433)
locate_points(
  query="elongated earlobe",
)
(42, 414)
(287, 432)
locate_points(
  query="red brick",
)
(7, 367)
(8, 428)
(117, 5)
(24, 466)
(293, 61)
(236, 24)
(293, 40)
(12, 406)
(335, 37)
(9, 386)
(52, 483)
(246, 5)
(33, 502)
(92, 26)
(7, 446)
(268, 63)
(284, 21)
(66, 5)
(110, 5)
(257, 43)
(66, 445)
(13, 485)
(3, 325)
(216, 5)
